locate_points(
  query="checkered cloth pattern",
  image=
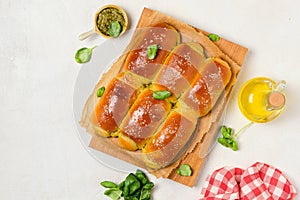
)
(258, 182)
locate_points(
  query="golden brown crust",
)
(169, 140)
(208, 86)
(112, 107)
(181, 67)
(143, 118)
(163, 35)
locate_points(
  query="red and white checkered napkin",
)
(260, 181)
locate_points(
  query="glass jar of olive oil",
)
(262, 99)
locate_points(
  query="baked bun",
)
(215, 74)
(113, 105)
(163, 35)
(181, 67)
(143, 118)
(171, 139)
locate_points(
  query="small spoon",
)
(85, 35)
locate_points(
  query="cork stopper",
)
(276, 100)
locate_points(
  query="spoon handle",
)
(85, 35)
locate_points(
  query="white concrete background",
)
(41, 156)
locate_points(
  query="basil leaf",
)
(151, 51)
(132, 184)
(146, 191)
(108, 184)
(141, 176)
(148, 186)
(184, 170)
(161, 94)
(224, 142)
(134, 187)
(229, 131)
(234, 145)
(213, 37)
(126, 191)
(100, 91)
(84, 55)
(146, 194)
(115, 29)
(113, 193)
(226, 132)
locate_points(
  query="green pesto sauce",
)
(106, 17)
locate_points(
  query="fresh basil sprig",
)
(135, 187)
(184, 170)
(84, 54)
(161, 94)
(228, 139)
(213, 37)
(115, 29)
(151, 51)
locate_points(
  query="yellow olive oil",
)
(261, 99)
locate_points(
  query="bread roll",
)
(163, 35)
(143, 118)
(111, 108)
(181, 67)
(171, 139)
(207, 88)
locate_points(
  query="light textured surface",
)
(41, 155)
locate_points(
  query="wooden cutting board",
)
(233, 53)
